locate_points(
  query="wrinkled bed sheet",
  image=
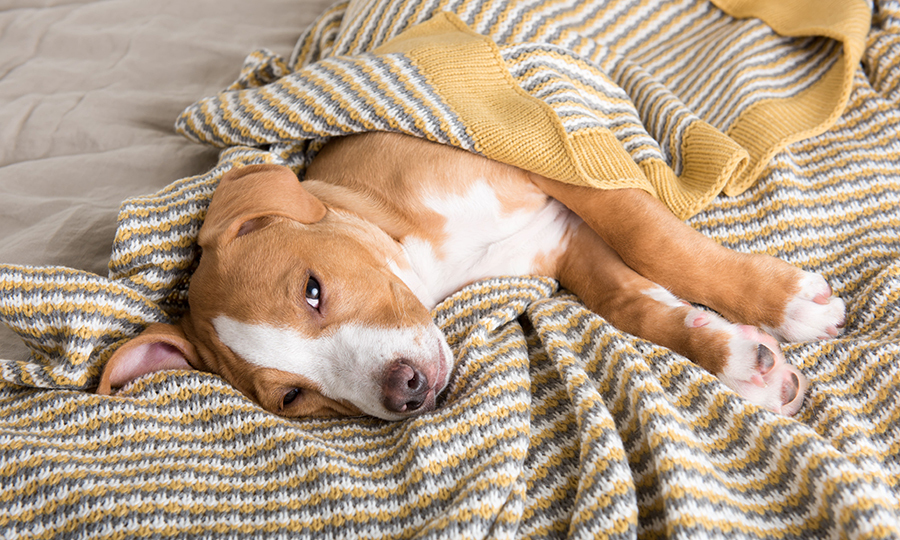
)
(89, 92)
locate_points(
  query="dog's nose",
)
(405, 388)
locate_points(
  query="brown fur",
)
(266, 234)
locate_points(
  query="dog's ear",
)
(248, 198)
(158, 348)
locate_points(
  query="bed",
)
(771, 127)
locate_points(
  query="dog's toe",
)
(813, 312)
(757, 370)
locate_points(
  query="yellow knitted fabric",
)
(683, 100)
(768, 127)
(506, 123)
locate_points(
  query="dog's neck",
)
(455, 216)
(370, 204)
(448, 240)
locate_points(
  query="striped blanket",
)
(771, 126)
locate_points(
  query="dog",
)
(313, 298)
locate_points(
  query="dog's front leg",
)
(747, 360)
(753, 289)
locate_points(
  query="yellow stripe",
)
(643, 11)
(433, 110)
(321, 29)
(684, 36)
(253, 505)
(768, 127)
(193, 455)
(507, 124)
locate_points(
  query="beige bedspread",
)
(89, 92)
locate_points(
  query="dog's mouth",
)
(442, 379)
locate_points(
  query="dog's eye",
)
(290, 397)
(313, 292)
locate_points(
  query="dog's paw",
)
(754, 366)
(813, 312)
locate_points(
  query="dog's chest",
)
(481, 233)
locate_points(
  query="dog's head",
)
(298, 306)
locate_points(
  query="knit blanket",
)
(771, 126)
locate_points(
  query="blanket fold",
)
(555, 424)
(596, 108)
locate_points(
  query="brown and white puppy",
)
(313, 298)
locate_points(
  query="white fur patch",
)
(482, 241)
(664, 297)
(805, 319)
(347, 363)
(415, 284)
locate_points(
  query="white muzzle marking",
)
(347, 363)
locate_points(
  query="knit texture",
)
(555, 424)
(677, 98)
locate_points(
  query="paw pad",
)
(757, 371)
(765, 359)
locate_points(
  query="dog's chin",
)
(445, 369)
